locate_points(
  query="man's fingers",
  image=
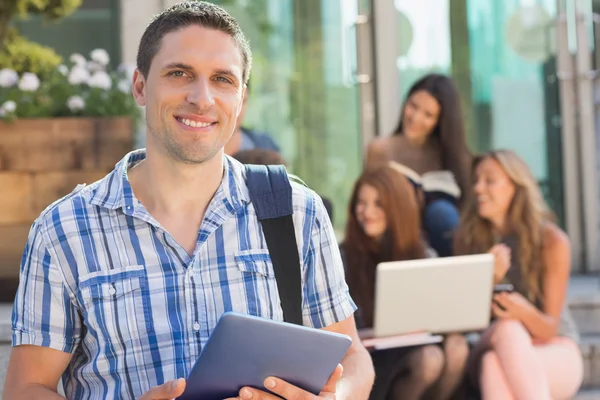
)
(285, 390)
(254, 394)
(333, 379)
(166, 391)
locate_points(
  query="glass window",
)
(501, 54)
(95, 24)
(303, 91)
(514, 91)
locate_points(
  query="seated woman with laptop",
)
(384, 225)
(530, 352)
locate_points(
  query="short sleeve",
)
(326, 296)
(43, 313)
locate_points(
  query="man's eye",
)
(177, 73)
(223, 79)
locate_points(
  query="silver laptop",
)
(436, 295)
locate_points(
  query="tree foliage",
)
(20, 54)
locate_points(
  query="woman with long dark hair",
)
(430, 137)
(384, 225)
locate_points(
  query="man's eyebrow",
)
(178, 65)
(187, 67)
(227, 72)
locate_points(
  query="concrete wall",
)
(135, 16)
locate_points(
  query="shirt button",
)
(112, 291)
(196, 327)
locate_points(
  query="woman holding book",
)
(384, 225)
(531, 351)
(429, 143)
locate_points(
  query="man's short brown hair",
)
(182, 15)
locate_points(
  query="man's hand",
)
(166, 391)
(288, 391)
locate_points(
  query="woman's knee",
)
(508, 330)
(456, 349)
(440, 219)
(441, 215)
(427, 363)
(490, 365)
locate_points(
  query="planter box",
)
(42, 160)
(12, 243)
(16, 198)
(59, 144)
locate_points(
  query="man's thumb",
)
(331, 384)
(169, 390)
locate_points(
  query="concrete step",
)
(590, 349)
(588, 394)
(584, 302)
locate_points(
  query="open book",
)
(431, 182)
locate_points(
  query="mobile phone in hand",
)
(504, 288)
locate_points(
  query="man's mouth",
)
(194, 124)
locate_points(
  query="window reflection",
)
(303, 88)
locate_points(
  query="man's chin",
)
(193, 156)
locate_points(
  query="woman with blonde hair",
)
(530, 352)
(384, 225)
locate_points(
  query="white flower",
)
(63, 69)
(100, 80)
(124, 86)
(78, 59)
(75, 103)
(100, 56)
(79, 75)
(9, 107)
(29, 82)
(8, 77)
(127, 69)
(93, 66)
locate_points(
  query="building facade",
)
(329, 75)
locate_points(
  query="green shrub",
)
(18, 53)
(22, 55)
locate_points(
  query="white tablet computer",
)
(244, 350)
(435, 295)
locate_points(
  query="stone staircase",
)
(584, 301)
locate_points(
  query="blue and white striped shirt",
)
(102, 280)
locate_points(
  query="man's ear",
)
(139, 88)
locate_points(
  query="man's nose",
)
(200, 93)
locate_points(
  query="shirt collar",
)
(114, 191)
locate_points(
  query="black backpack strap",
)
(271, 195)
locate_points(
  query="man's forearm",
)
(358, 377)
(32, 392)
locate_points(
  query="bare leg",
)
(425, 365)
(493, 381)
(522, 368)
(563, 366)
(456, 351)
